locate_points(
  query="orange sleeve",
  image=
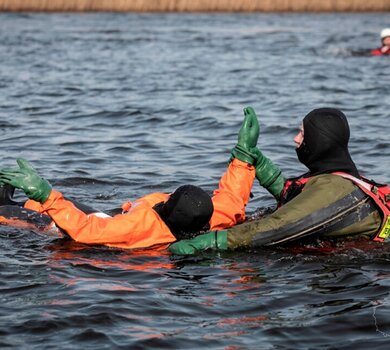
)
(140, 227)
(232, 195)
(33, 205)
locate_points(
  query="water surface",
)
(111, 107)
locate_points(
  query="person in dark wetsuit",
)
(330, 200)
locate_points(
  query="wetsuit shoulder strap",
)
(380, 195)
(292, 188)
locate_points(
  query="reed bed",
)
(196, 5)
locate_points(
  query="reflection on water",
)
(110, 107)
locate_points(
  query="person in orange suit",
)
(157, 218)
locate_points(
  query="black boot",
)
(6, 193)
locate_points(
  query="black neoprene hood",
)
(188, 209)
(325, 143)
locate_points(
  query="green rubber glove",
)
(28, 180)
(247, 137)
(216, 240)
(268, 174)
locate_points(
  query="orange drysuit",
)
(140, 226)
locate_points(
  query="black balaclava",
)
(325, 143)
(188, 210)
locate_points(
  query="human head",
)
(385, 36)
(188, 210)
(324, 146)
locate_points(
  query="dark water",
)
(112, 107)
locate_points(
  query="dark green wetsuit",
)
(329, 206)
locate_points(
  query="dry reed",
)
(197, 5)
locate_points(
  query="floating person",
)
(331, 200)
(385, 48)
(155, 219)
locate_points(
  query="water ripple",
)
(111, 107)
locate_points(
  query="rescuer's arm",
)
(297, 215)
(268, 174)
(329, 206)
(214, 240)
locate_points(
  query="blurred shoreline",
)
(194, 6)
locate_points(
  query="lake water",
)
(111, 107)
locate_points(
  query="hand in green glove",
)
(247, 137)
(28, 180)
(211, 240)
(268, 174)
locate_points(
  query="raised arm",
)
(232, 195)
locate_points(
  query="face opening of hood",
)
(325, 144)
